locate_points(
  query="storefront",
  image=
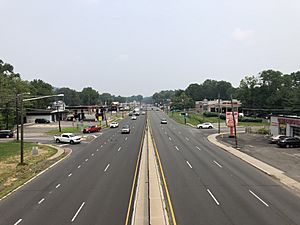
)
(286, 125)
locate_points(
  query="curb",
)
(264, 167)
(39, 174)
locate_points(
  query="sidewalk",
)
(264, 167)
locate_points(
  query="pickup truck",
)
(67, 138)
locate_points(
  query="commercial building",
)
(213, 106)
(285, 125)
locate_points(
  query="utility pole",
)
(22, 130)
(234, 124)
(58, 118)
(219, 127)
(17, 115)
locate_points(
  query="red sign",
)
(229, 119)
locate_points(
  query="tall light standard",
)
(21, 99)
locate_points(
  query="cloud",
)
(241, 35)
(122, 58)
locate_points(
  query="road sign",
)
(229, 119)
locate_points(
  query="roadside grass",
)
(12, 174)
(195, 119)
(65, 130)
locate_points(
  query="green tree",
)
(89, 96)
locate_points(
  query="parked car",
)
(275, 139)
(289, 142)
(41, 120)
(163, 121)
(130, 114)
(125, 129)
(90, 129)
(6, 134)
(114, 125)
(143, 113)
(133, 117)
(67, 138)
(205, 126)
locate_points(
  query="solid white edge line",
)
(43, 199)
(189, 164)
(217, 164)
(19, 221)
(106, 167)
(36, 176)
(177, 148)
(74, 217)
(258, 198)
(216, 201)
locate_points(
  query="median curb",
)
(264, 167)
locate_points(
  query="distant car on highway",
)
(289, 142)
(275, 139)
(125, 129)
(90, 129)
(133, 117)
(114, 125)
(67, 138)
(143, 112)
(6, 134)
(41, 120)
(163, 121)
(205, 126)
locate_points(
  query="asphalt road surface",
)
(91, 186)
(211, 187)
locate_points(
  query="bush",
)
(211, 114)
(250, 119)
(263, 131)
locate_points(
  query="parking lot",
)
(256, 145)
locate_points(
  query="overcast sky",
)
(128, 47)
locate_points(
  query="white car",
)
(67, 138)
(133, 117)
(114, 125)
(205, 126)
(163, 121)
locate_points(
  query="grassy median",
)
(12, 174)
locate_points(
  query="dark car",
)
(90, 129)
(6, 134)
(289, 142)
(41, 120)
(275, 139)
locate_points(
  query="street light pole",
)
(21, 98)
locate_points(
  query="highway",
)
(92, 186)
(211, 187)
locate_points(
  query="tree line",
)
(270, 90)
(11, 85)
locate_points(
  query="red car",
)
(91, 129)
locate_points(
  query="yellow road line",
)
(163, 178)
(134, 180)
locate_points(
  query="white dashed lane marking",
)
(41, 201)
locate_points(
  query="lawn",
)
(11, 173)
(195, 119)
